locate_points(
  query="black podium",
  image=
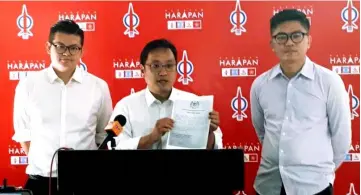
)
(150, 172)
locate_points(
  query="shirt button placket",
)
(63, 116)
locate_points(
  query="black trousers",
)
(326, 191)
(40, 185)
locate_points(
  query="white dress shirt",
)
(304, 125)
(51, 115)
(142, 110)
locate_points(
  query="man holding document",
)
(161, 116)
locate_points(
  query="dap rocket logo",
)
(131, 22)
(132, 91)
(239, 105)
(83, 66)
(349, 15)
(352, 190)
(25, 22)
(354, 101)
(185, 69)
(238, 18)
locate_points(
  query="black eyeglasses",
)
(60, 49)
(296, 37)
(158, 67)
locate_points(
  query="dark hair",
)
(289, 15)
(156, 44)
(67, 27)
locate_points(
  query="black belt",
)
(39, 177)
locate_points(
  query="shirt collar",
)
(275, 71)
(150, 99)
(77, 76)
(51, 74)
(307, 70)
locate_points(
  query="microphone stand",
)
(7, 189)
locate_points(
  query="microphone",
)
(117, 128)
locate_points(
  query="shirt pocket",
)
(309, 104)
(273, 104)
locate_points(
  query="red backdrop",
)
(225, 47)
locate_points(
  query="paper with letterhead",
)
(191, 123)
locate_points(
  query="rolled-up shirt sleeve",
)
(21, 121)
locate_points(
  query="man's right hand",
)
(161, 127)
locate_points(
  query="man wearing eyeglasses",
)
(148, 111)
(301, 114)
(60, 106)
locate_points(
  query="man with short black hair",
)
(301, 114)
(148, 111)
(60, 106)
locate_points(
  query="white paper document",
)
(191, 123)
